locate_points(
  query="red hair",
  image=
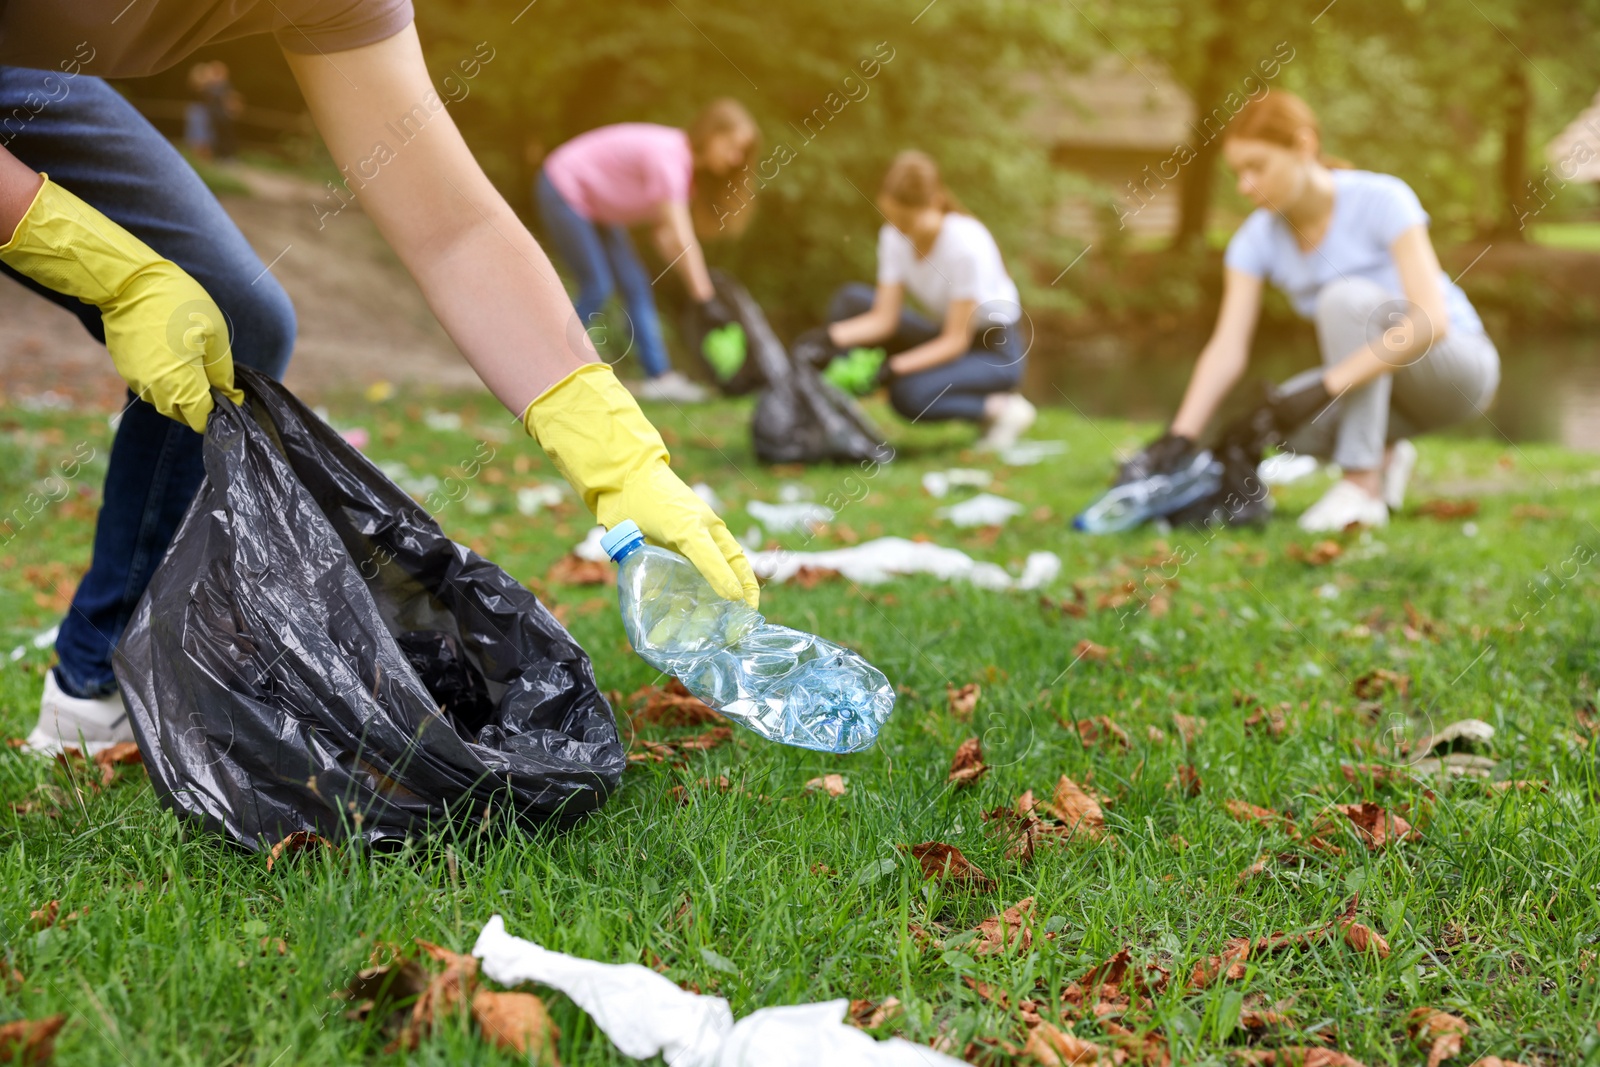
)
(1278, 118)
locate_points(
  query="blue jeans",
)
(603, 260)
(92, 142)
(954, 390)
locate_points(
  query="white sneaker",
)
(1345, 505)
(674, 387)
(90, 726)
(1397, 473)
(1004, 430)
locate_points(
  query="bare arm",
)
(876, 324)
(675, 240)
(952, 343)
(485, 277)
(19, 184)
(1407, 334)
(1225, 355)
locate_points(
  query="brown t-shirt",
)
(123, 39)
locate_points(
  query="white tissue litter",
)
(879, 560)
(786, 517)
(589, 548)
(532, 499)
(1027, 453)
(645, 1014)
(42, 639)
(939, 483)
(794, 492)
(985, 509)
(1286, 468)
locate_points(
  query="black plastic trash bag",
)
(314, 654)
(799, 417)
(734, 377)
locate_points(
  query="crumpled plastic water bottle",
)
(1126, 506)
(786, 685)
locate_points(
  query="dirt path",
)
(362, 318)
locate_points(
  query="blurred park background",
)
(1084, 133)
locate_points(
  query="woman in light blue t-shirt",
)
(1403, 352)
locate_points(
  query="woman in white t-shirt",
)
(1403, 352)
(966, 360)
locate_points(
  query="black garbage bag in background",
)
(800, 417)
(750, 375)
(314, 654)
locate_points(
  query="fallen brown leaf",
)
(672, 705)
(447, 991)
(870, 1014)
(1228, 965)
(1087, 649)
(706, 741)
(1318, 555)
(1012, 929)
(298, 841)
(1440, 1031)
(1297, 1056)
(1445, 510)
(832, 784)
(1188, 780)
(1376, 826)
(809, 577)
(963, 701)
(123, 753)
(1246, 812)
(1189, 726)
(968, 766)
(1100, 730)
(946, 862)
(1361, 938)
(516, 1021)
(1272, 720)
(30, 1041)
(1076, 809)
(1259, 867)
(1495, 1061)
(45, 916)
(1053, 1047)
(570, 570)
(1371, 685)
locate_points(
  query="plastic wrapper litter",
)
(315, 655)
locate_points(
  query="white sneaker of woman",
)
(1343, 506)
(88, 725)
(674, 387)
(1012, 418)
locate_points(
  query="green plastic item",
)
(725, 350)
(856, 372)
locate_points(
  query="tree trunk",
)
(1514, 154)
(1199, 177)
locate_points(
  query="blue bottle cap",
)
(620, 537)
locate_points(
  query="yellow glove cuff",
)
(69, 247)
(593, 431)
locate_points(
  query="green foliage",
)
(944, 83)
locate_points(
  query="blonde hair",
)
(913, 180)
(716, 205)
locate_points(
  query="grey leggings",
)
(1453, 382)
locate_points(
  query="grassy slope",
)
(166, 968)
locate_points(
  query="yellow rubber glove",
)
(601, 442)
(167, 338)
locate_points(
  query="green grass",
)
(1580, 236)
(1492, 915)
